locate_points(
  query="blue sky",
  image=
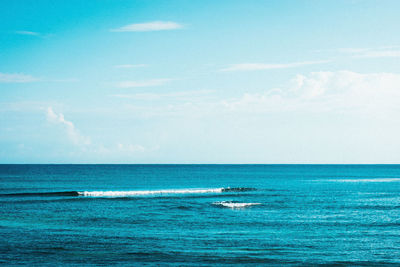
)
(199, 81)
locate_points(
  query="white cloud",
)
(130, 66)
(27, 33)
(72, 133)
(342, 91)
(265, 66)
(16, 78)
(149, 26)
(146, 83)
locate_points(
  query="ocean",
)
(200, 215)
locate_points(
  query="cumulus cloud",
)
(343, 91)
(17, 78)
(267, 66)
(70, 129)
(354, 87)
(146, 83)
(149, 26)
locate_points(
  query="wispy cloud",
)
(146, 83)
(267, 66)
(149, 26)
(380, 52)
(17, 78)
(25, 78)
(27, 33)
(130, 66)
(72, 133)
(180, 95)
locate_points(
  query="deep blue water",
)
(281, 214)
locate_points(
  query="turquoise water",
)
(200, 215)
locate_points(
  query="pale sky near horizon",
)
(199, 81)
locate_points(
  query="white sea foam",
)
(148, 192)
(233, 205)
(369, 180)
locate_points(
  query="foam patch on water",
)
(230, 204)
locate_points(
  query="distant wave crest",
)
(230, 204)
(365, 180)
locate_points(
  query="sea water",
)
(200, 215)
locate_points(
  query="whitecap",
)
(230, 204)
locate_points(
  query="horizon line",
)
(199, 163)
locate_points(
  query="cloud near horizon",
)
(267, 66)
(72, 133)
(83, 144)
(149, 26)
(344, 92)
(325, 91)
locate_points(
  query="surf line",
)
(161, 192)
(128, 193)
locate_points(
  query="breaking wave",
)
(163, 192)
(148, 192)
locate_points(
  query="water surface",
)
(200, 214)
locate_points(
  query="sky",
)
(229, 81)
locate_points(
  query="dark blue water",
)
(156, 215)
